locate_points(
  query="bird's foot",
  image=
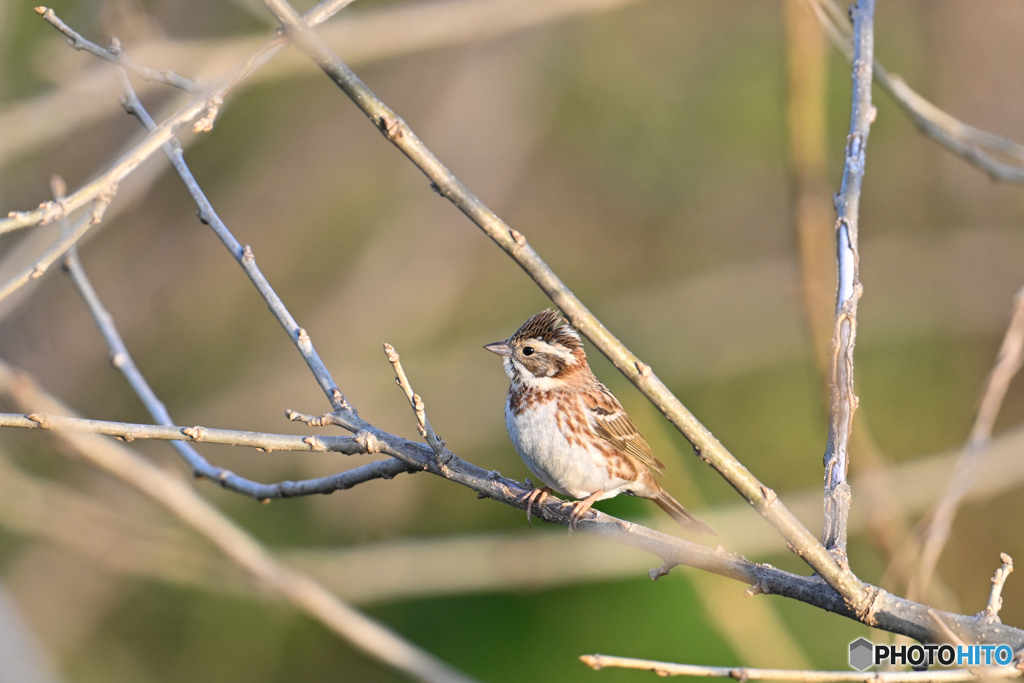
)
(536, 496)
(580, 508)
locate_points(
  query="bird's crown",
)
(549, 326)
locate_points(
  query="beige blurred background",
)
(643, 149)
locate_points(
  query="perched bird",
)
(569, 429)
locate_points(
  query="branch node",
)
(753, 590)
(769, 495)
(658, 572)
(369, 442)
(315, 443)
(40, 419)
(643, 368)
(205, 124)
(517, 237)
(391, 126)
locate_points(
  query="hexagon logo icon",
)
(861, 654)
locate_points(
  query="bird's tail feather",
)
(685, 518)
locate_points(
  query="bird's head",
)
(544, 347)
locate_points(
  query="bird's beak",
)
(501, 348)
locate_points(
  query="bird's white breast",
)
(570, 469)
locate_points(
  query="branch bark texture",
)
(843, 400)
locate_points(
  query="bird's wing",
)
(612, 424)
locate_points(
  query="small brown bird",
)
(569, 429)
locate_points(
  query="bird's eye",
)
(527, 350)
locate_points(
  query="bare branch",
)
(707, 447)
(422, 423)
(1007, 364)
(974, 145)
(245, 257)
(366, 634)
(126, 431)
(995, 599)
(115, 55)
(383, 32)
(844, 334)
(598, 662)
(107, 183)
(122, 360)
(70, 238)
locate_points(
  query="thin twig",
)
(127, 431)
(843, 402)
(366, 634)
(598, 662)
(422, 423)
(974, 145)
(68, 239)
(1007, 364)
(107, 182)
(995, 598)
(115, 55)
(122, 360)
(242, 254)
(707, 447)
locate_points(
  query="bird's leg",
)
(580, 508)
(538, 496)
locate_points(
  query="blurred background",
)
(660, 155)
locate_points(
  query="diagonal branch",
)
(115, 55)
(976, 146)
(122, 360)
(243, 255)
(707, 447)
(303, 592)
(104, 195)
(208, 101)
(843, 402)
(936, 533)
